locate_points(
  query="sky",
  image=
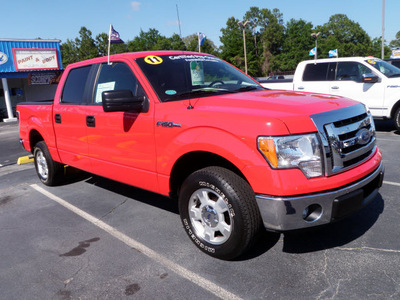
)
(55, 19)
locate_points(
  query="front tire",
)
(397, 119)
(219, 212)
(48, 170)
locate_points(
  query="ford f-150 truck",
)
(191, 126)
(369, 80)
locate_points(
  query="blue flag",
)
(202, 38)
(333, 53)
(114, 36)
(312, 52)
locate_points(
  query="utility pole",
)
(243, 25)
(383, 30)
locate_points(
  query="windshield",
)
(177, 77)
(385, 68)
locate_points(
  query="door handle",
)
(57, 118)
(90, 121)
(335, 87)
(300, 88)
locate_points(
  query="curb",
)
(25, 160)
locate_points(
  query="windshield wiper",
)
(247, 88)
(394, 75)
(196, 93)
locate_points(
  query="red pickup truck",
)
(191, 126)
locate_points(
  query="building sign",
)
(3, 58)
(44, 78)
(35, 59)
(395, 53)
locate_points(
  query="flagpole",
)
(198, 40)
(109, 44)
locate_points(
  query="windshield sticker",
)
(102, 87)
(153, 60)
(197, 72)
(198, 58)
(170, 92)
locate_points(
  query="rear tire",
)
(219, 212)
(49, 171)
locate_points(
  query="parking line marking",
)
(391, 183)
(181, 271)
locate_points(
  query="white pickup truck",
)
(369, 80)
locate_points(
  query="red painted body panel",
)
(133, 149)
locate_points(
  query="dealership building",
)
(29, 71)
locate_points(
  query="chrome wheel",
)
(42, 166)
(210, 216)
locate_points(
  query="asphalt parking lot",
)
(93, 238)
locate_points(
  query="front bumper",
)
(290, 213)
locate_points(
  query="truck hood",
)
(292, 108)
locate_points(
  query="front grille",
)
(348, 137)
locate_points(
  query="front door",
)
(121, 144)
(348, 83)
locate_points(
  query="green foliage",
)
(271, 45)
(296, 45)
(345, 35)
(376, 48)
(395, 43)
(192, 44)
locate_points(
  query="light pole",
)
(383, 31)
(243, 25)
(315, 36)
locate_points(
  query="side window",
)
(351, 71)
(364, 69)
(117, 76)
(74, 87)
(316, 72)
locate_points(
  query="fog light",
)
(312, 213)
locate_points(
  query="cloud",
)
(174, 23)
(135, 5)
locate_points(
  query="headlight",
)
(295, 151)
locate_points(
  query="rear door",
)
(69, 117)
(316, 78)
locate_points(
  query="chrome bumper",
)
(290, 213)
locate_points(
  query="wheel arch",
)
(394, 109)
(34, 138)
(196, 160)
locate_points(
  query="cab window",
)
(316, 72)
(74, 87)
(116, 76)
(351, 71)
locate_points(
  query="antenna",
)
(190, 104)
(179, 22)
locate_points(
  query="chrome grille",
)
(347, 135)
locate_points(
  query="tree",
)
(232, 43)
(345, 35)
(296, 45)
(192, 44)
(267, 30)
(396, 42)
(173, 43)
(69, 53)
(376, 48)
(101, 44)
(146, 41)
(86, 45)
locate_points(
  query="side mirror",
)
(369, 78)
(123, 100)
